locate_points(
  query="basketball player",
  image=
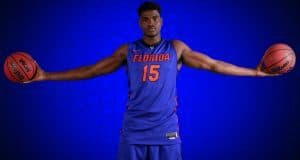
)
(150, 128)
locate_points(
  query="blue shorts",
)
(149, 152)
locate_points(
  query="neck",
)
(152, 40)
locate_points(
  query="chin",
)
(151, 35)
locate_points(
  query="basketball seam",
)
(34, 66)
(20, 67)
(274, 51)
(12, 75)
(279, 61)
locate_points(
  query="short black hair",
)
(149, 5)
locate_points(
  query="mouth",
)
(152, 29)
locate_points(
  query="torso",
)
(151, 117)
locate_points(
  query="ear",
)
(161, 21)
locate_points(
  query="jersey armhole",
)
(179, 61)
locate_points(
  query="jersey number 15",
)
(151, 72)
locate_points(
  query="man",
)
(150, 129)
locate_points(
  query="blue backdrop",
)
(221, 117)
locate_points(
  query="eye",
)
(144, 20)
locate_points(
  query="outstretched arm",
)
(107, 65)
(199, 60)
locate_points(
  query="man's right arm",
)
(105, 66)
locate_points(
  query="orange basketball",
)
(279, 59)
(20, 67)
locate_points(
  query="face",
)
(150, 22)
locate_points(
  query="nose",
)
(151, 22)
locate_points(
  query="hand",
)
(39, 76)
(261, 73)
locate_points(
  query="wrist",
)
(256, 73)
(45, 76)
(259, 73)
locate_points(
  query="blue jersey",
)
(150, 117)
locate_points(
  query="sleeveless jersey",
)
(150, 117)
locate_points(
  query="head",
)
(150, 19)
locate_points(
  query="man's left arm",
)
(201, 61)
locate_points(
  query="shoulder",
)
(124, 46)
(178, 43)
(122, 50)
(180, 46)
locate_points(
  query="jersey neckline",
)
(153, 45)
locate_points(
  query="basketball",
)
(20, 67)
(278, 59)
